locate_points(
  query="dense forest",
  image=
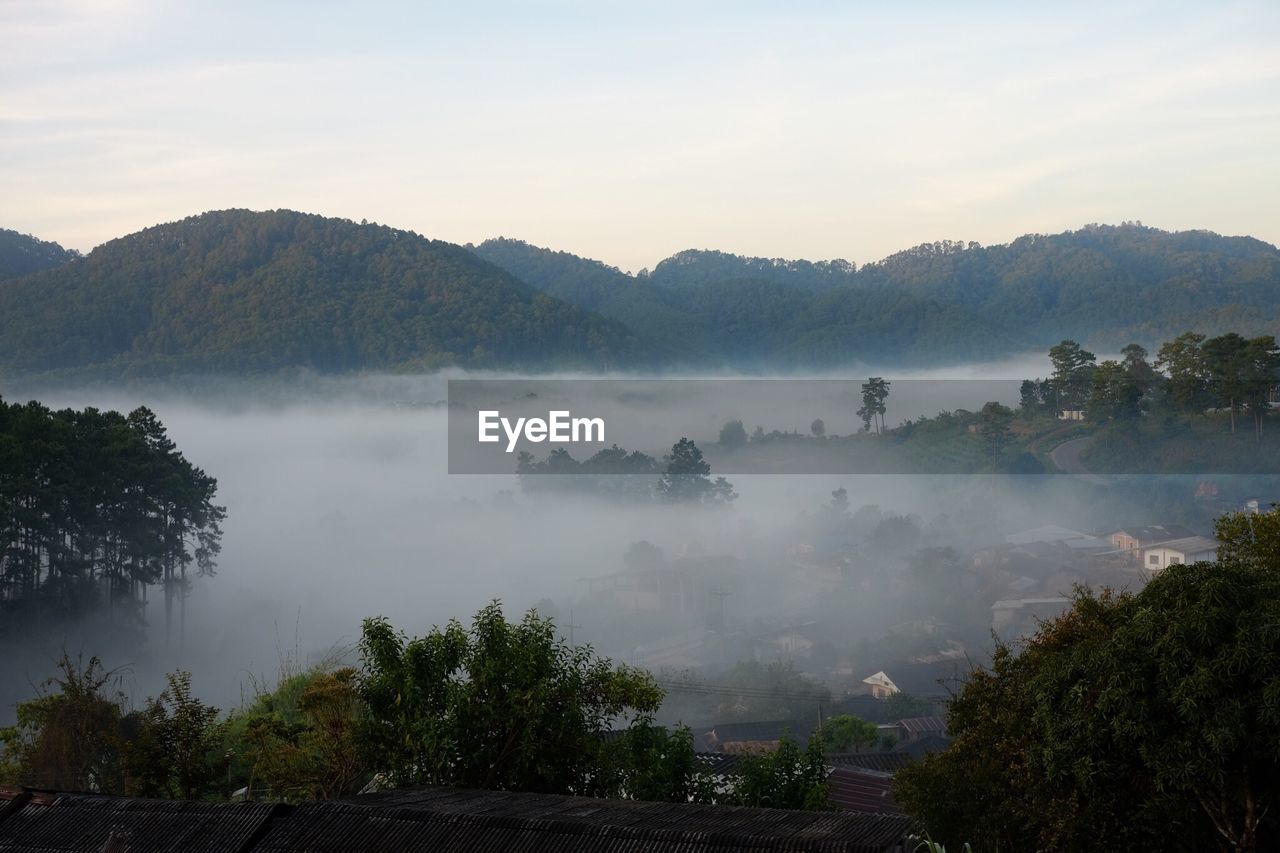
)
(96, 509)
(21, 254)
(243, 291)
(1104, 285)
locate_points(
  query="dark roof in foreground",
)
(39, 822)
(858, 789)
(886, 761)
(430, 819)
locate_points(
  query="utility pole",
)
(721, 594)
(571, 627)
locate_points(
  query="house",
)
(917, 728)
(1134, 539)
(1192, 549)
(424, 820)
(1015, 616)
(750, 737)
(685, 586)
(882, 686)
(1071, 415)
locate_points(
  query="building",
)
(752, 737)
(1192, 549)
(1016, 616)
(428, 820)
(882, 686)
(1133, 540)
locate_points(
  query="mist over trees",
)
(96, 510)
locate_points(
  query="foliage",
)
(70, 739)
(237, 290)
(786, 778)
(1134, 720)
(1252, 539)
(96, 508)
(847, 733)
(687, 478)
(176, 752)
(21, 254)
(503, 706)
(944, 300)
(302, 740)
(651, 762)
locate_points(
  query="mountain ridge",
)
(245, 291)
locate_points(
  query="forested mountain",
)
(241, 291)
(1105, 285)
(238, 290)
(21, 254)
(695, 268)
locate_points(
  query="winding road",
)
(1066, 457)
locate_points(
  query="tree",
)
(70, 739)
(1028, 399)
(1183, 360)
(1072, 370)
(994, 428)
(500, 705)
(787, 778)
(1226, 360)
(847, 733)
(733, 434)
(1115, 395)
(313, 752)
(1261, 377)
(687, 478)
(1250, 539)
(874, 393)
(177, 751)
(818, 428)
(1134, 720)
(657, 764)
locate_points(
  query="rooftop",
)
(428, 819)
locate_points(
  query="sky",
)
(629, 131)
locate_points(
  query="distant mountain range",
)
(241, 291)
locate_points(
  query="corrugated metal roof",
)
(886, 761)
(69, 823)
(631, 825)
(430, 819)
(858, 789)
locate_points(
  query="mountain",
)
(21, 254)
(243, 291)
(697, 267)
(1103, 285)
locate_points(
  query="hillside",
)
(244, 291)
(21, 254)
(1104, 285)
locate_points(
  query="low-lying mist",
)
(340, 507)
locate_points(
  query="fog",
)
(340, 507)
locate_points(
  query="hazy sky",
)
(627, 131)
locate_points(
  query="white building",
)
(1193, 549)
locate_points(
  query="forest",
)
(98, 509)
(247, 292)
